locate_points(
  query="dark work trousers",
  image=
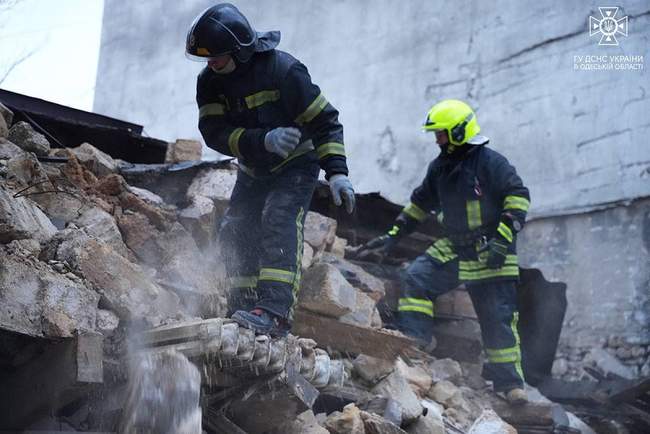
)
(495, 303)
(261, 238)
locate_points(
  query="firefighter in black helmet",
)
(258, 104)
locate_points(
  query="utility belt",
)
(474, 238)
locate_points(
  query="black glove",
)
(497, 249)
(384, 244)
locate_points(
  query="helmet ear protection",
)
(458, 132)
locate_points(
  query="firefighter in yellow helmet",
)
(481, 203)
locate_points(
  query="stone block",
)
(4, 129)
(375, 424)
(432, 423)
(8, 150)
(307, 256)
(396, 387)
(417, 376)
(199, 218)
(125, 287)
(490, 423)
(320, 231)
(346, 422)
(98, 162)
(445, 369)
(101, 225)
(7, 114)
(305, 423)
(20, 218)
(372, 369)
(324, 290)
(357, 276)
(24, 136)
(183, 150)
(362, 313)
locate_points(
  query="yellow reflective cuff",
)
(394, 231)
(505, 355)
(516, 202)
(243, 282)
(505, 231)
(214, 109)
(259, 98)
(312, 111)
(414, 211)
(277, 275)
(510, 354)
(421, 305)
(331, 148)
(473, 214)
(233, 141)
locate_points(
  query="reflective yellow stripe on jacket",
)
(421, 305)
(477, 270)
(312, 111)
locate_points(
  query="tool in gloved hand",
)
(342, 191)
(282, 141)
(380, 247)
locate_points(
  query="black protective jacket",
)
(272, 90)
(475, 194)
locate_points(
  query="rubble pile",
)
(95, 272)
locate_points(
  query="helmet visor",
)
(197, 58)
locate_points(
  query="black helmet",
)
(220, 30)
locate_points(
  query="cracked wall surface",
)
(579, 138)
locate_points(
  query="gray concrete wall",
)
(578, 138)
(604, 257)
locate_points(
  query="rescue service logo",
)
(608, 26)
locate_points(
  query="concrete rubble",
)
(83, 253)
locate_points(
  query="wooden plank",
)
(630, 392)
(192, 330)
(330, 333)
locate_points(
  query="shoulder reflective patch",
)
(213, 109)
(312, 111)
(331, 148)
(260, 98)
(516, 202)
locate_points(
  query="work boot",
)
(261, 322)
(517, 396)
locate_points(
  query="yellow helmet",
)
(455, 117)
